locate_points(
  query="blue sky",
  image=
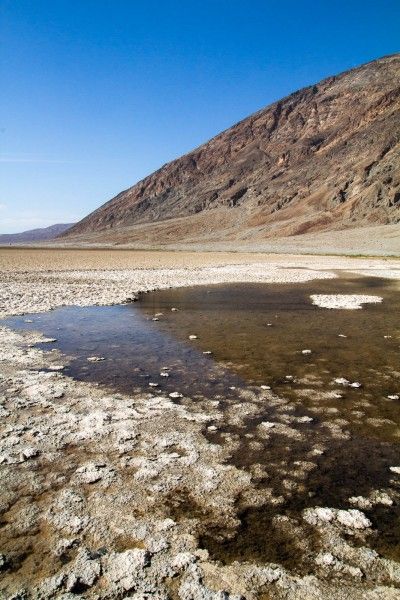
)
(96, 94)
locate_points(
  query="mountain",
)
(35, 235)
(327, 157)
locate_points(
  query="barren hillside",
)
(324, 158)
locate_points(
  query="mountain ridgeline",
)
(326, 157)
(35, 235)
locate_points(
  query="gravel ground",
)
(375, 240)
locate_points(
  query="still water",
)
(253, 335)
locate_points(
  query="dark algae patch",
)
(261, 538)
(386, 540)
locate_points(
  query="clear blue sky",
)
(96, 94)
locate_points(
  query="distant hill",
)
(325, 158)
(35, 235)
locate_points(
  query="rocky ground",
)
(109, 496)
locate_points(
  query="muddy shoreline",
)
(108, 495)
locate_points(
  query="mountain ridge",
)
(324, 157)
(32, 235)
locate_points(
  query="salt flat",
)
(104, 495)
(40, 279)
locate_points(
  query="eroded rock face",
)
(325, 157)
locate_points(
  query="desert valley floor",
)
(204, 481)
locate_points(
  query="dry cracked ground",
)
(105, 495)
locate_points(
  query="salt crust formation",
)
(343, 301)
(106, 496)
(38, 292)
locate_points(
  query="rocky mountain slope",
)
(35, 235)
(324, 158)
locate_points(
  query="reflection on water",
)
(256, 334)
(259, 332)
(134, 350)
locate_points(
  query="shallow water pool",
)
(254, 335)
